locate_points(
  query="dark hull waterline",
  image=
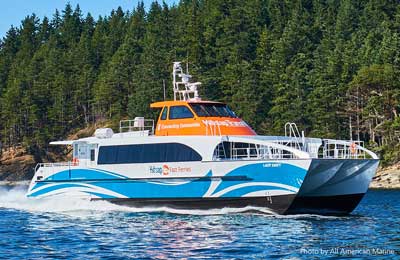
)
(325, 205)
(276, 204)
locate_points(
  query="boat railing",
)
(58, 164)
(338, 149)
(244, 149)
(314, 147)
(260, 152)
(138, 124)
(292, 131)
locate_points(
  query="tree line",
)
(333, 67)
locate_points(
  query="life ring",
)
(353, 148)
(75, 161)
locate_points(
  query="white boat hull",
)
(269, 184)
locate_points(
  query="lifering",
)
(75, 161)
(353, 148)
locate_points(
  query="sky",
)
(12, 12)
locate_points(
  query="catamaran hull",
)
(271, 185)
(334, 186)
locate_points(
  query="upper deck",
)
(198, 118)
(188, 114)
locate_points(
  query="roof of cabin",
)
(162, 104)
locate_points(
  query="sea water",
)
(78, 229)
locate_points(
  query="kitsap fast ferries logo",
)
(166, 170)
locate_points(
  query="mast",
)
(184, 89)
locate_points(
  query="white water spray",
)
(15, 198)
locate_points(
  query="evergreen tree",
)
(330, 66)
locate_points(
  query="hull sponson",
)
(325, 205)
(334, 186)
(277, 204)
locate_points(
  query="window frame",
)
(147, 153)
(188, 109)
(212, 110)
(164, 112)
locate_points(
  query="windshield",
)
(212, 110)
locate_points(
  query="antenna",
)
(163, 82)
(187, 62)
(184, 89)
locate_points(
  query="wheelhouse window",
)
(164, 113)
(212, 110)
(180, 112)
(147, 153)
(81, 150)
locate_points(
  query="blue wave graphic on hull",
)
(286, 177)
(53, 187)
(285, 174)
(84, 174)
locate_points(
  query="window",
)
(164, 113)
(235, 150)
(76, 150)
(212, 110)
(81, 150)
(92, 154)
(178, 112)
(147, 153)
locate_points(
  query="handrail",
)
(138, 123)
(300, 154)
(291, 128)
(348, 144)
(274, 149)
(57, 164)
(313, 146)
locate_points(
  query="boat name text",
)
(166, 170)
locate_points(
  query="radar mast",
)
(184, 89)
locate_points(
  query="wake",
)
(14, 198)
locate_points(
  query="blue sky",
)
(13, 11)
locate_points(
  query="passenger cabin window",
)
(147, 153)
(164, 113)
(212, 110)
(92, 155)
(236, 150)
(179, 112)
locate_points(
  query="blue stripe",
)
(55, 187)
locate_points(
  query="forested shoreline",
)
(332, 67)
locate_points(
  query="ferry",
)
(201, 155)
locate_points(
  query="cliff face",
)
(387, 178)
(16, 165)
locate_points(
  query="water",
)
(93, 230)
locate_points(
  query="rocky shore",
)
(16, 165)
(387, 178)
